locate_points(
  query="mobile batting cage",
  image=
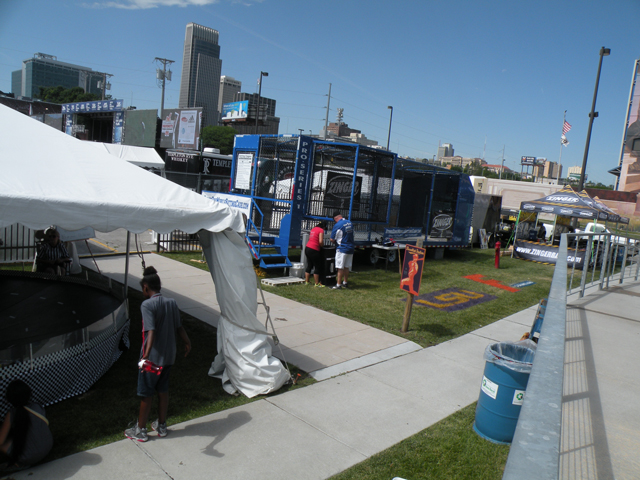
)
(295, 181)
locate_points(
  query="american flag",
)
(566, 127)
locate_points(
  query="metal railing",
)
(536, 447)
(603, 255)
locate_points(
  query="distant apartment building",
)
(267, 105)
(46, 71)
(460, 161)
(229, 87)
(201, 68)
(445, 150)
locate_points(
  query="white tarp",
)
(145, 157)
(50, 178)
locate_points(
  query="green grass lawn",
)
(375, 298)
(448, 449)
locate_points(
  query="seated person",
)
(52, 256)
(25, 437)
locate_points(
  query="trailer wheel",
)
(392, 256)
(374, 256)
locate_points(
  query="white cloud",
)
(145, 4)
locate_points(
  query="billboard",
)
(532, 161)
(235, 111)
(181, 128)
(630, 161)
(140, 128)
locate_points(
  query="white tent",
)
(145, 157)
(50, 178)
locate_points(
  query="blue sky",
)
(455, 71)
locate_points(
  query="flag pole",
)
(564, 119)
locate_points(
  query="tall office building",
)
(229, 86)
(445, 150)
(46, 71)
(201, 67)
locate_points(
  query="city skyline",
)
(494, 75)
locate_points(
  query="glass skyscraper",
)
(46, 71)
(201, 68)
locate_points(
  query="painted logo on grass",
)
(452, 299)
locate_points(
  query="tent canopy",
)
(567, 203)
(144, 157)
(50, 178)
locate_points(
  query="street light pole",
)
(390, 117)
(603, 53)
(262, 74)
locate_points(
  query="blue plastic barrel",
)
(505, 378)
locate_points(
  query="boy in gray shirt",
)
(160, 324)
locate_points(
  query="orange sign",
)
(412, 269)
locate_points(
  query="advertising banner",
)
(338, 190)
(180, 128)
(93, 106)
(442, 227)
(118, 120)
(542, 253)
(237, 202)
(412, 269)
(398, 233)
(235, 110)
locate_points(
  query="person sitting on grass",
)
(160, 324)
(25, 437)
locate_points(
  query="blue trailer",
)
(292, 182)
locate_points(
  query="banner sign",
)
(93, 106)
(442, 227)
(402, 233)
(452, 299)
(181, 128)
(412, 269)
(338, 190)
(237, 202)
(542, 253)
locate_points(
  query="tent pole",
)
(126, 268)
(515, 233)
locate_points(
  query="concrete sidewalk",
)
(320, 430)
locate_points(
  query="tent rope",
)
(268, 321)
(140, 254)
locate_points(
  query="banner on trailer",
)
(412, 269)
(542, 253)
(237, 202)
(338, 191)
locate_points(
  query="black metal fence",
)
(17, 244)
(178, 241)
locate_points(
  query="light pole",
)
(262, 74)
(301, 130)
(390, 117)
(603, 53)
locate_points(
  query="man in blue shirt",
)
(342, 236)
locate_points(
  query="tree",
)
(65, 95)
(219, 137)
